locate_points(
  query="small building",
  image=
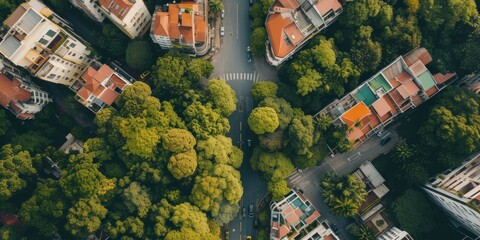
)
(403, 85)
(184, 27)
(100, 86)
(471, 82)
(291, 23)
(91, 8)
(44, 48)
(295, 217)
(18, 95)
(394, 234)
(374, 184)
(457, 193)
(130, 16)
(72, 144)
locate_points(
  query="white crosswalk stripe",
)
(254, 77)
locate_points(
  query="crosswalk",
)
(255, 77)
(294, 177)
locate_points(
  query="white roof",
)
(372, 174)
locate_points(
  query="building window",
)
(122, 12)
(110, 5)
(51, 33)
(73, 55)
(81, 57)
(43, 41)
(72, 45)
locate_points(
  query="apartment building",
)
(91, 8)
(131, 16)
(295, 217)
(291, 23)
(18, 94)
(457, 193)
(184, 27)
(100, 86)
(34, 42)
(404, 84)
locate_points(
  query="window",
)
(110, 5)
(73, 55)
(116, 7)
(72, 45)
(51, 33)
(42, 41)
(81, 57)
(122, 12)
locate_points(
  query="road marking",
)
(254, 77)
(237, 21)
(240, 126)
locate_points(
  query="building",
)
(18, 94)
(471, 82)
(45, 49)
(291, 23)
(91, 8)
(394, 234)
(404, 84)
(375, 188)
(184, 26)
(295, 217)
(131, 16)
(100, 86)
(72, 144)
(457, 193)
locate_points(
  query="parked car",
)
(251, 2)
(249, 57)
(251, 212)
(222, 31)
(249, 141)
(244, 213)
(249, 237)
(248, 48)
(385, 140)
(255, 224)
(334, 228)
(223, 13)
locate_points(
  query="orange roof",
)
(292, 218)
(119, 8)
(292, 4)
(160, 23)
(416, 55)
(118, 81)
(418, 68)
(109, 96)
(103, 73)
(284, 230)
(275, 26)
(200, 29)
(187, 34)
(381, 106)
(293, 33)
(187, 20)
(10, 90)
(356, 113)
(312, 217)
(329, 237)
(441, 78)
(324, 6)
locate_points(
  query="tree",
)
(412, 6)
(223, 96)
(178, 140)
(367, 55)
(182, 165)
(215, 6)
(219, 150)
(204, 121)
(112, 40)
(169, 72)
(344, 194)
(226, 213)
(403, 151)
(263, 120)
(283, 109)
(309, 82)
(85, 217)
(187, 216)
(257, 43)
(4, 123)
(198, 69)
(137, 199)
(101, 150)
(302, 136)
(262, 90)
(130, 228)
(362, 232)
(272, 141)
(324, 53)
(16, 170)
(414, 213)
(139, 55)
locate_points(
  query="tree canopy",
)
(263, 120)
(344, 194)
(139, 55)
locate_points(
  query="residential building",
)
(471, 82)
(18, 94)
(404, 84)
(45, 49)
(131, 16)
(184, 26)
(91, 8)
(72, 144)
(295, 217)
(394, 234)
(457, 193)
(374, 186)
(100, 86)
(291, 23)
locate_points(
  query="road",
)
(308, 180)
(231, 64)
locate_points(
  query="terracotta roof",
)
(187, 34)
(292, 4)
(83, 93)
(187, 20)
(418, 68)
(275, 26)
(109, 96)
(118, 81)
(10, 90)
(284, 230)
(412, 87)
(292, 218)
(416, 55)
(358, 112)
(119, 8)
(381, 106)
(324, 6)
(441, 78)
(329, 237)
(200, 29)
(16, 15)
(160, 23)
(24, 116)
(312, 217)
(103, 73)
(9, 218)
(293, 33)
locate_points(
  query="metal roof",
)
(29, 21)
(372, 174)
(9, 46)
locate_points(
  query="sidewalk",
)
(214, 38)
(266, 71)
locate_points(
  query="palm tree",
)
(362, 232)
(344, 194)
(404, 151)
(323, 121)
(215, 6)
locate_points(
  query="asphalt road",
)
(232, 65)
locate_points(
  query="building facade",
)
(404, 84)
(457, 193)
(394, 234)
(100, 86)
(18, 94)
(131, 16)
(291, 23)
(91, 8)
(184, 27)
(34, 42)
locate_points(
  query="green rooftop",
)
(426, 80)
(365, 95)
(379, 82)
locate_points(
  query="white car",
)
(223, 13)
(222, 31)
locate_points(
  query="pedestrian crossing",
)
(294, 178)
(255, 77)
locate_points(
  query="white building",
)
(91, 8)
(457, 193)
(18, 94)
(394, 234)
(41, 46)
(131, 16)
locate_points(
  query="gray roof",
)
(372, 174)
(9, 46)
(29, 21)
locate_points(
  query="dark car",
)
(249, 57)
(251, 213)
(385, 140)
(334, 228)
(255, 224)
(244, 213)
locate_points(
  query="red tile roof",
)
(292, 4)
(356, 113)
(441, 78)
(283, 231)
(275, 26)
(119, 8)
(9, 218)
(381, 106)
(10, 90)
(160, 21)
(109, 96)
(324, 6)
(93, 84)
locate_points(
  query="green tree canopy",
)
(85, 217)
(4, 123)
(222, 96)
(215, 6)
(263, 120)
(257, 42)
(262, 90)
(302, 135)
(182, 165)
(204, 121)
(139, 55)
(283, 109)
(16, 170)
(178, 140)
(344, 194)
(137, 199)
